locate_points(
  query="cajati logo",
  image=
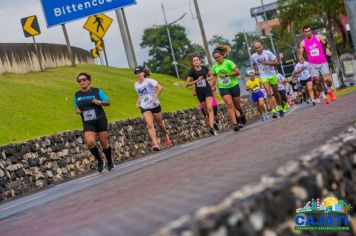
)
(329, 214)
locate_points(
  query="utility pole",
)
(248, 48)
(170, 43)
(350, 6)
(202, 31)
(267, 29)
(126, 39)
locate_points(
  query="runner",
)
(200, 76)
(148, 91)
(216, 117)
(312, 45)
(226, 72)
(254, 86)
(302, 72)
(88, 103)
(295, 88)
(282, 91)
(263, 62)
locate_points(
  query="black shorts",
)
(215, 109)
(204, 92)
(234, 91)
(99, 125)
(156, 109)
(304, 82)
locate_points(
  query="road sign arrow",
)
(30, 26)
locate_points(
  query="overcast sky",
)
(221, 17)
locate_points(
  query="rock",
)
(72, 174)
(39, 175)
(14, 167)
(1, 173)
(39, 183)
(64, 170)
(20, 173)
(49, 174)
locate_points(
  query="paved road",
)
(141, 196)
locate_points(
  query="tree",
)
(217, 40)
(156, 39)
(329, 11)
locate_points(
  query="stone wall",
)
(22, 57)
(30, 166)
(268, 208)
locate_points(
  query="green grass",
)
(37, 104)
(343, 92)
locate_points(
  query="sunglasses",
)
(82, 80)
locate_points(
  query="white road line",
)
(23, 202)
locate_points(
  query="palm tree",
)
(329, 11)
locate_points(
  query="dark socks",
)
(95, 152)
(107, 153)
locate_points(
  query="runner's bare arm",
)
(236, 72)
(77, 110)
(255, 68)
(159, 89)
(301, 48)
(190, 82)
(323, 41)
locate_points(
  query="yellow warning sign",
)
(94, 53)
(98, 24)
(99, 45)
(30, 26)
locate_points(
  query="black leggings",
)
(283, 96)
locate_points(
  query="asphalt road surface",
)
(141, 196)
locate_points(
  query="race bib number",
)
(226, 81)
(314, 52)
(201, 83)
(305, 74)
(256, 89)
(146, 100)
(89, 115)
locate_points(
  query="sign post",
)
(69, 48)
(31, 28)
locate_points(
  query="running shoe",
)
(101, 165)
(243, 120)
(281, 113)
(213, 132)
(241, 125)
(155, 148)
(274, 115)
(326, 100)
(266, 117)
(317, 100)
(216, 126)
(111, 165)
(236, 127)
(332, 96)
(167, 142)
(313, 102)
(263, 118)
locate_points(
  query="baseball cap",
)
(250, 72)
(139, 69)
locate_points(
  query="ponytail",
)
(223, 50)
